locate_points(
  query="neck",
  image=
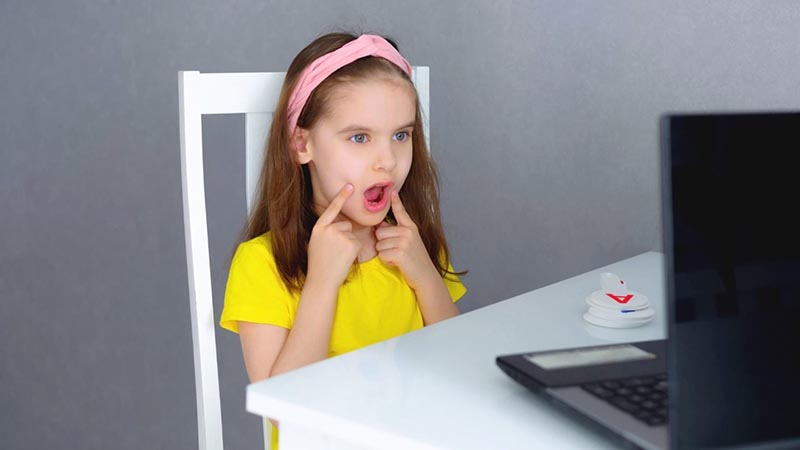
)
(365, 235)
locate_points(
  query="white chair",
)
(255, 95)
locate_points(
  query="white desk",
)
(439, 387)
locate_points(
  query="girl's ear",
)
(302, 149)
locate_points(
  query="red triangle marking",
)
(620, 298)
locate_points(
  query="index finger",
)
(399, 210)
(332, 211)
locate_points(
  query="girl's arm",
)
(309, 339)
(331, 252)
(434, 299)
(270, 350)
(261, 345)
(400, 245)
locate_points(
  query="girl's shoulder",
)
(255, 249)
(262, 241)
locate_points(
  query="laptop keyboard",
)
(645, 398)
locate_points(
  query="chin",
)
(367, 219)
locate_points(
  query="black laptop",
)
(728, 377)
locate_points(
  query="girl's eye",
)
(359, 138)
(401, 136)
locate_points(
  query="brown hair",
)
(284, 196)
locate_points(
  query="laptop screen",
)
(732, 239)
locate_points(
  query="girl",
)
(344, 247)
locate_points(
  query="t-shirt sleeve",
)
(454, 284)
(255, 292)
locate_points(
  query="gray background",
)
(544, 120)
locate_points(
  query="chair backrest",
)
(255, 95)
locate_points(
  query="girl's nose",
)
(385, 159)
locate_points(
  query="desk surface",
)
(439, 387)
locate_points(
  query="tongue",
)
(373, 194)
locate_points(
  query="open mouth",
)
(377, 196)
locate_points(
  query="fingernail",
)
(348, 187)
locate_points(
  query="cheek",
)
(336, 170)
(404, 165)
(343, 169)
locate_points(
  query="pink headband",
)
(325, 65)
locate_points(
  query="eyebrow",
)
(355, 127)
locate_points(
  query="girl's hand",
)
(333, 247)
(400, 245)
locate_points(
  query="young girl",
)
(344, 247)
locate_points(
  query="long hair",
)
(284, 201)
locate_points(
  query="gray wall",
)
(544, 128)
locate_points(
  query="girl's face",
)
(364, 139)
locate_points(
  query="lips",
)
(376, 197)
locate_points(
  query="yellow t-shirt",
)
(375, 304)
